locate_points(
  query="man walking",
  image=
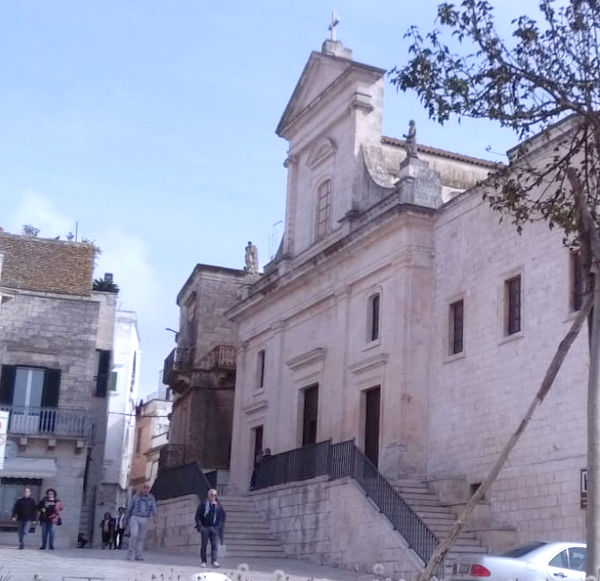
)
(24, 512)
(210, 519)
(142, 507)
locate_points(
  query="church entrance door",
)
(372, 412)
(311, 409)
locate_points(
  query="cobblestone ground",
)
(98, 565)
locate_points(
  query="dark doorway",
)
(311, 409)
(372, 407)
(258, 441)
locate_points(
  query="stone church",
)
(399, 314)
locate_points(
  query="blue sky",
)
(151, 124)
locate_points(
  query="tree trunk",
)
(563, 348)
(593, 436)
(590, 243)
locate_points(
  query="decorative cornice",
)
(255, 406)
(366, 364)
(307, 358)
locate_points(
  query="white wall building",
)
(120, 429)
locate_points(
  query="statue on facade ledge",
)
(251, 258)
(411, 140)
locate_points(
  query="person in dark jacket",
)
(210, 519)
(49, 508)
(24, 512)
(107, 527)
(120, 526)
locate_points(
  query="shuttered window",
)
(103, 377)
(29, 386)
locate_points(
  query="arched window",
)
(323, 208)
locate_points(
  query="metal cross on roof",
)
(334, 22)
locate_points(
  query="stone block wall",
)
(173, 528)
(56, 333)
(53, 266)
(478, 397)
(333, 523)
(216, 290)
(209, 427)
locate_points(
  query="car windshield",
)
(519, 552)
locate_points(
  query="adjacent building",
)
(151, 436)
(56, 341)
(201, 369)
(122, 392)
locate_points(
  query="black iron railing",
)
(26, 420)
(344, 460)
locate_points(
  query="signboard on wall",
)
(583, 488)
(3, 432)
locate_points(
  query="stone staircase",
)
(246, 533)
(439, 518)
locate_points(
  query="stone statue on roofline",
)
(251, 259)
(411, 140)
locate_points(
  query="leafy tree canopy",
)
(548, 71)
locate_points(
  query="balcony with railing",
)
(178, 361)
(49, 421)
(221, 357)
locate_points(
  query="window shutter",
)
(7, 384)
(51, 388)
(103, 376)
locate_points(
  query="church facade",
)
(399, 312)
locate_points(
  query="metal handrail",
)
(28, 420)
(343, 460)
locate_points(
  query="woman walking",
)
(49, 508)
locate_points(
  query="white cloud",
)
(129, 259)
(36, 209)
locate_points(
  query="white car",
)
(531, 562)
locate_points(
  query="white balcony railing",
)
(25, 420)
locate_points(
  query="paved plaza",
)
(96, 565)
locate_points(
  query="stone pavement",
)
(95, 564)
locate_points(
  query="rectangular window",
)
(577, 279)
(29, 387)
(260, 369)
(512, 295)
(310, 415)
(112, 384)
(103, 377)
(323, 208)
(30, 392)
(133, 371)
(456, 327)
(373, 317)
